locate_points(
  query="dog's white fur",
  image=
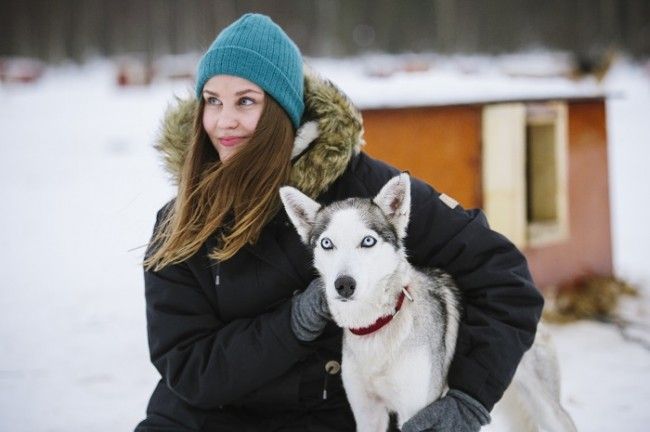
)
(403, 366)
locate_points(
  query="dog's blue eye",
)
(368, 241)
(326, 243)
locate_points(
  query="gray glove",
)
(456, 412)
(309, 312)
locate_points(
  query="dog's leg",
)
(539, 381)
(370, 413)
(416, 384)
(511, 414)
(533, 398)
(544, 407)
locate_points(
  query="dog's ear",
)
(394, 199)
(301, 210)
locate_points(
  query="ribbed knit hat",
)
(257, 49)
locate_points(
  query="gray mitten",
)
(309, 312)
(456, 412)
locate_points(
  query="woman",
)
(238, 327)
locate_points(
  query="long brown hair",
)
(237, 198)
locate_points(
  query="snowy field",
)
(80, 184)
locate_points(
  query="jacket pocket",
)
(168, 410)
(281, 394)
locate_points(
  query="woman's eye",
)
(212, 101)
(368, 241)
(326, 243)
(246, 101)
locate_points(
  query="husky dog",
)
(358, 251)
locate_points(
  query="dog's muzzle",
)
(345, 286)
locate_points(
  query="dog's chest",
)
(399, 364)
(396, 377)
(378, 350)
(387, 357)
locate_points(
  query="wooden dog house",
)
(537, 166)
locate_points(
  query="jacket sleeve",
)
(204, 361)
(501, 305)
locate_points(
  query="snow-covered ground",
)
(80, 184)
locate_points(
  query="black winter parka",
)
(219, 333)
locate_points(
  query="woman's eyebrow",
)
(242, 92)
(239, 93)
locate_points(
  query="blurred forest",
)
(59, 30)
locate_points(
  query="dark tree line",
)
(75, 29)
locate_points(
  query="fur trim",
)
(305, 135)
(341, 136)
(175, 133)
(329, 146)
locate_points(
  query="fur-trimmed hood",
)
(332, 132)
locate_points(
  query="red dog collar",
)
(381, 321)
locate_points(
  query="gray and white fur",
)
(402, 367)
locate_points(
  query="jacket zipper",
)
(325, 387)
(217, 278)
(331, 368)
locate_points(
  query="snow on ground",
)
(80, 185)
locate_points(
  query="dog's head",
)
(357, 247)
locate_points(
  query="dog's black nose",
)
(345, 286)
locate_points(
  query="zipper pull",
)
(325, 388)
(332, 367)
(217, 278)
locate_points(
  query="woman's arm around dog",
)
(501, 305)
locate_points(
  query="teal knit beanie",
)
(257, 49)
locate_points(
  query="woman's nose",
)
(227, 119)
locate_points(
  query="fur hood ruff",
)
(331, 133)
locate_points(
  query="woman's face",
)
(233, 107)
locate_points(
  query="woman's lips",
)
(230, 141)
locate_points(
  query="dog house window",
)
(546, 179)
(524, 171)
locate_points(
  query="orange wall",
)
(438, 145)
(442, 145)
